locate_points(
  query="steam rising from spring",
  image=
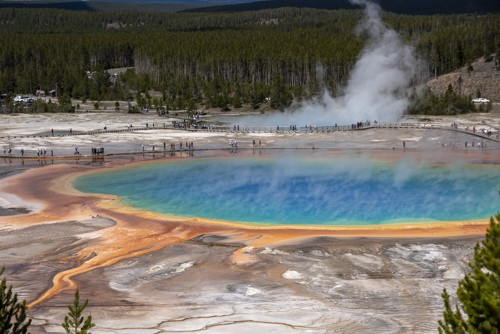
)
(376, 87)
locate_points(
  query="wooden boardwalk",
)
(268, 129)
(343, 128)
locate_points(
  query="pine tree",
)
(453, 321)
(74, 322)
(479, 291)
(12, 313)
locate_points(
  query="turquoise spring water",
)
(305, 190)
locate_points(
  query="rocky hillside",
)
(484, 77)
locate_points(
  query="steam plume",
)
(375, 89)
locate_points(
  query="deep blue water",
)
(300, 190)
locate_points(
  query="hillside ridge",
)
(421, 7)
(482, 79)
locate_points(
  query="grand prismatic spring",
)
(313, 232)
(305, 189)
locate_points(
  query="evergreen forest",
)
(214, 59)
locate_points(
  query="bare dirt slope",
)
(485, 78)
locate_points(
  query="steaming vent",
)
(376, 87)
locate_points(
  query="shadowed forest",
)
(215, 59)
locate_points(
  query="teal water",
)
(305, 190)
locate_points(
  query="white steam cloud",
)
(376, 87)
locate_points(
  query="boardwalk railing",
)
(266, 129)
(335, 128)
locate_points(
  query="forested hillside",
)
(215, 59)
(102, 6)
(410, 7)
